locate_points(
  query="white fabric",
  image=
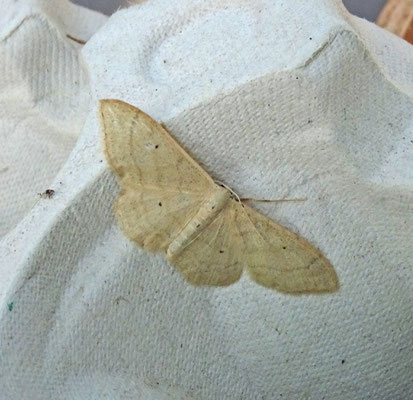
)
(275, 99)
(44, 97)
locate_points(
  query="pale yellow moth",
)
(169, 203)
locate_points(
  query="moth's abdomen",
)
(208, 211)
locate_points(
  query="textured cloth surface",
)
(44, 97)
(276, 100)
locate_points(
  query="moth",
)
(169, 203)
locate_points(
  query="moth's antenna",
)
(271, 201)
(256, 200)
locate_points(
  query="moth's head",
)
(233, 195)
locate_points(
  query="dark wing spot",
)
(160, 204)
(284, 247)
(221, 251)
(156, 146)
